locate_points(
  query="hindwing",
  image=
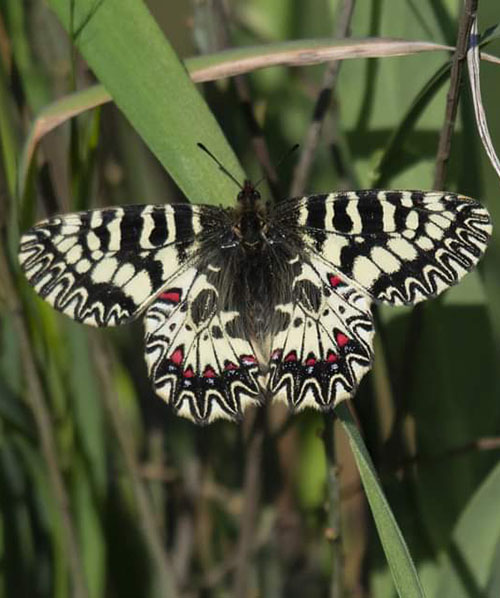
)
(322, 345)
(197, 357)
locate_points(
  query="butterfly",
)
(258, 300)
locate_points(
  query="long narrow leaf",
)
(398, 556)
(125, 48)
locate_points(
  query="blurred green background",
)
(153, 505)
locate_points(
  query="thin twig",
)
(147, 518)
(443, 153)
(257, 136)
(330, 76)
(190, 520)
(251, 492)
(387, 471)
(333, 532)
(216, 576)
(35, 397)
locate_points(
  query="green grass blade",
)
(129, 54)
(400, 562)
(8, 135)
(385, 167)
(14, 413)
(31, 77)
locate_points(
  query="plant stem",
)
(330, 76)
(459, 57)
(333, 532)
(147, 518)
(251, 493)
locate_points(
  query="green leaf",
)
(438, 396)
(128, 53)
(470, 558)
(398, 556)
(91, 532)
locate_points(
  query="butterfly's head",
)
(250, 222)
(248, 194)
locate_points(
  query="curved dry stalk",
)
(473, 63)
(302, 53)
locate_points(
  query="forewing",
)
(400, 247)
(322, 345)
(198, 358)
(103, 267)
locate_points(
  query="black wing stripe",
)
(341, 221)
(159, 234)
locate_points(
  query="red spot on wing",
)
(341, 339)
(188, 372)
(172, 296)
(335, 280)
(248, 359)
(292, 356)
(229, 365)
(177, 356)
(276, 354)
(331, 357)
(209, 372)
(311, 361)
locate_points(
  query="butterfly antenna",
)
(284, 157)
(219, 164)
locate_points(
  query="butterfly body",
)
(257, 300)
(249, 256)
